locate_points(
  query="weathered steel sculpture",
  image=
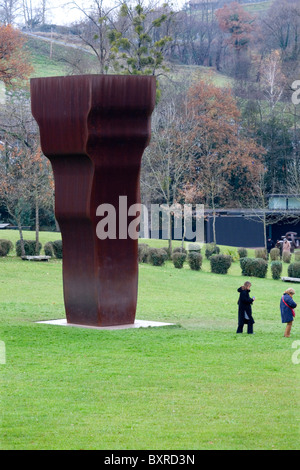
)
(94, 129)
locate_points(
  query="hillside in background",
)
(53, 59)
(257, 6)
(56, 50)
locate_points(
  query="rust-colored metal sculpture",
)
(94, 129)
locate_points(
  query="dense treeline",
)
(224, 146)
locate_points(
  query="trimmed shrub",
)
(243, 253)
(276, 268)
(194, 248)
(195, 260)
(29, 247)
(143, 250)
(157, 256)
(48, 249)
(260, 267)
(286, 256)
(57, 249)
(5, 247)
(220, 263)
(167, 250)
(275, 254)
(179, 249)
(297, 256)
(294, 270)
(246, 266)
(256, 267)
(211, 249)
(178, 259)
(261, 253)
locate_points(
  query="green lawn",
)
(43, 64)
(194, 385)
(259, 7)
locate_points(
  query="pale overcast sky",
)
(62, 12)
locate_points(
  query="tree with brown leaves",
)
(14, 60)
(225, 164)
(240, 27)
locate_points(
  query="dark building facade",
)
(245, 228)
(235, 229)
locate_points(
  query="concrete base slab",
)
(136, 324)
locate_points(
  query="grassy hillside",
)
(258, 7)
(194, 385)
(43, 64)
(46, 66)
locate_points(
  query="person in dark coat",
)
(245, 308)
(287, 305)
(270, 245)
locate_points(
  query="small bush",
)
(231, 252)
(294, 270)
(276, 268)
(57, 249)
(178, 259)
(167, 250)
(260, 267)
(48, 249)
(297, 256)
(211, 249)
(195, 260)
(246, 266)
(286, 256)
(157, 256)
(179, 249)
(256, 267)
(261, 253)
(5, 247)
(194, 248)
(220, 263)
(143, 250)
(243, 253)
(275, 254)
(29, 247)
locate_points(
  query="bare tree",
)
(26, 176)
(9, 9)
(282, 27)
(93, 30)
(34, 13)
(165, 162)
(273, 80)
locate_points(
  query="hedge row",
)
(258, 267)
(53, 249)
(220, 263)
(158, 256)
